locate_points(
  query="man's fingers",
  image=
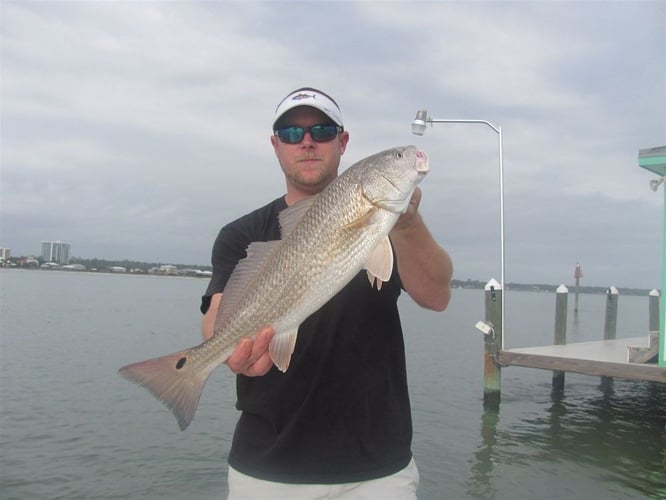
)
(238, 360)
(259, 367)
(262, 341)
(251, 356)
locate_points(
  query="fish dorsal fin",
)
(379, 263)
(290, 216)
(282, 347)
(257, 252)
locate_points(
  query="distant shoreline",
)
(189, 272)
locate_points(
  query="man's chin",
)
(314, 183)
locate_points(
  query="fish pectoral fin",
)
(379, 263)
(282, 347)
(367, 219)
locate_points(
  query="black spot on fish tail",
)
(181, 363)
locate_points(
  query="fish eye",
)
(399, 155)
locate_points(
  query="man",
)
(337, 424)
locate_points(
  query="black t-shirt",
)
(341, 412)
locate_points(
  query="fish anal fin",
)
(374, 280)
(282, 347)
(379, 264)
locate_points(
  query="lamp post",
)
(418, 128)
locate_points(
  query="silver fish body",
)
(326, 240)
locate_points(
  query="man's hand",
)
(251, 357)
(408, 218)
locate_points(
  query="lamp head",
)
(654, 183)
(419, 123)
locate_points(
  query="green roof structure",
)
(653, 159)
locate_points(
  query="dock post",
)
(653, 311)
(562, 298)
(492, 345)
(610, 325)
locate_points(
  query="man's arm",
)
(250, 357)
(425, 267)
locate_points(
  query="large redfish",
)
(326, 240)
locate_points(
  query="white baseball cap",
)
(314, 98)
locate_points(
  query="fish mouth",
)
(421, 165)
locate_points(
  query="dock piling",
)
(610, 326)
(610, 323)
(653, 311)
(560, 338)
(492, 345)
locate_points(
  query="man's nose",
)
(308, 140)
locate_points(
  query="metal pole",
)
(500, 141)
(501, 187)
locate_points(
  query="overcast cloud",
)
(137, 129)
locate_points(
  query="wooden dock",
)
(630, 358)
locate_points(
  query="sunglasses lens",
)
(291, 135)
(323, 133)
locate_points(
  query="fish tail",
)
(174, 379)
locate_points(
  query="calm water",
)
(72, 428)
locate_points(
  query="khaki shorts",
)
(399, 486)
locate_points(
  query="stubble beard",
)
(312, 181)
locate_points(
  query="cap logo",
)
(303, 95)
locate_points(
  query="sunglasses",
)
(319, 133)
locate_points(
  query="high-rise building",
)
(55, 251)
(5, 253)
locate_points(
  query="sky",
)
(136, 130)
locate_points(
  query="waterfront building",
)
(55, 251)
(5, 253)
